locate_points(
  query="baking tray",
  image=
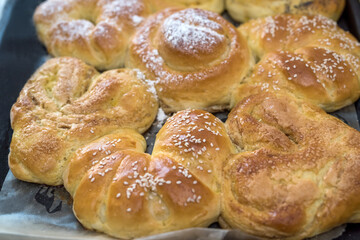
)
(21, 54)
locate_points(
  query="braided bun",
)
(195, 58)
(66, 104)
(243, 10)
(96, 31)
(298, 171)
(309, 56)
(122, 191)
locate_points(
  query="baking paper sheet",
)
(31, 211)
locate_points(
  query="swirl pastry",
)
(298, 173)
(66, 104)
(195, 58)
(309, 56)
(122, 191)
(96, 31)
(243, 10)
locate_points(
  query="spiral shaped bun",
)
(122, 191)
(195, 58)
(66, 104)
(244, 10)
(96, 31)
(308, 56)
(298, 173)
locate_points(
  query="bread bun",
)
(195, 57)
(96, 31)
(244, 10)
(308, 56)
(122, 191)
(67, 104)
(297, 173)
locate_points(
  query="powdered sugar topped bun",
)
(194, 56)
(96, 31)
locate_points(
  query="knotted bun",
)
(298, 171)
(244, 10)
(195, 58)
(96, 31)
(66, 104)
(309, 56)
(122, 191)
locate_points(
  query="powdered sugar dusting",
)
(116, 8)
(50, 8)
(192, 31)
(137, 19)
(151, 84)
(69, 31)
(145, 50)
(161, 117)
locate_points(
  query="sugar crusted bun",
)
(244, 10)
(66, 104)
(308, 56)
(195, 57)
(293, 177)
(122, 191)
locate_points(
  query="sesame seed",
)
(118, 195)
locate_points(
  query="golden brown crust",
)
(96, 31)
(210, 5)
(127, 193)
(298, 172)
(66, 104)
(310, 57)
(244, 10)
(195, 58)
